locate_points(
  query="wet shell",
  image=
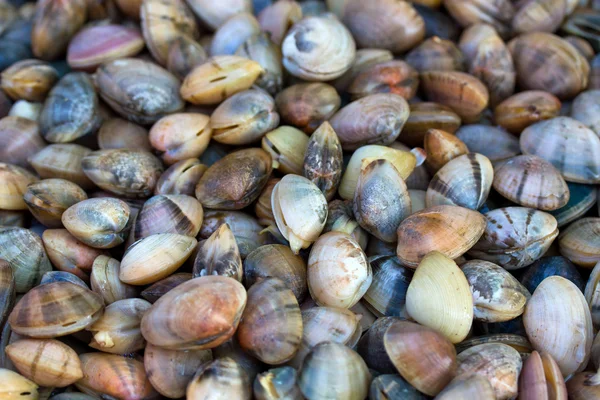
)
(323, 160)
(181, 136)
(308, 56)
(138, 90)
(29, 80)
(541, 379)
(14, 181)
(19, 139)
(494, 143)
(105, 281)
(499, 363)
(523, 109)
(441, 147)
(397, 77)
(450, 230)
(300, 210)
(219, 255)
(126, 172)
(46, 362)
(160, 288)
(338, 273)
(439, 297)
(55, 309)
(101, 223)
(47, 200)
(198, 314)
(15, 386)
(386, 295)
(155, 257)
(579, 242)
(181, 178)
(381, 200)
(54, 23)
(62, 161)
(24, 251)
(224, 377)
(557, 302)
(235, 181)
(531, 181)
(271, 325)
(374, 119)
(515, 237)
(464, 181)
(497, 295)
(277, 383)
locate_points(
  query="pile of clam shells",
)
(310, 199)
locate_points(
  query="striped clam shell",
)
(464, 181)
(531, 181)
(582, 198)
(387, 293)
(569, 145)
(515, 237)
(580, 242)
(224, 376)
(219, 255)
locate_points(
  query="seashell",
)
(300, 211)
(126, 172)
(425, 116)
(539, 16)
(437, 23)
(494, 143)
(218, 78)
(68, 254)
(163, 22)
(526, 108)
(584, 109)
(386, 295)
(467, 387)
(181, 136)
(564, 77)
(340, 218)
(219, 255)
(450, 230)
(267, 54)
(541, 378)
(105, 281)
(184, 55)
(531, 181)
(364, 59)
(381, 200)
(338, 271)
(463, 93)
(235, 181)
(62, 161)
(101, 223)
(160, 288)
(233, 33)
(550, 266)
(48, 199)
(55, 309)
(498, 14)
(392, 386)
(181, 178)
(138, 90)
(517, 342)
(25, 253)
(271, 325)
(54, 23)
(390, 25)
(223, 376)
(307, 56)
(436, 54)
(15, 386)
(515, 237)
(244, 117)
(62, 276)
(423, 356)
(371, 346)
(214, 14)
(14, 181)
(441, 147)
(180, 320)
(276, 19)
(170, 371)
(287, 146)
(26, 109)
(438, 297)
(29, 80)
(497, 295)
(262, 208)
(232, 349)
(244, 227)
(7, 290)
(47, 362)
(12, 218)
(579, 242)
(19, 140)
(323, 160)
(464, 181)
(583, 47)
(374, 119)
(591, 294)
(499, 363)
(277, 383)
(396, 77)
(578, 387)
(307, 105)
(114, 375)
(117, 331)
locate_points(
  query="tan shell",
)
(105, 281)
(579, 242)
(224, 376)
(276, 18)
(15, 386)
(436, 54)
(214, 14)
(48, 199)
(53, 26)
(308, 105)
(425, 116)
(29, 80)
(181, 178)
(323, 160)
(525, 108)
(441, 147)
(397, 77)
(181, 136)
(62, 161)
(245, 228)
(473, 386)
(287, 147)
(541, 379)
(13, 185)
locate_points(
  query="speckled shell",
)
(559, 304)
(219, 255)
(450, 230)
(323, 160)
(464, 181)
(497, 295)
(580, 242)
(387, 294)
(494, 143)
(515, 237)
(224, 376)
(531, 181)
(47, 200)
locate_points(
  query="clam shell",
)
(105, 281)
(494, 143)
(62, 161)
(364, 59)
(181, 178)
(464, 181)
(441, 147)
(160, 288)
(581, 199)
(392, 386)
(29, 80)
(340, 218)
(181, 136)
(62, 276)
(425, 116)
(14, 182)
(233, 33)
(517, 342)
(245, 228)
(15, 386)
(276, 18)
(307, 105)
(184, 54)
(515, 237)
(20, 139)
(559, 303)
(267, 54)
(287, 146)
(397, 77)
(55, 309)
(541, 379)
(53, 26)
(48, 199)
(277, 383)
(223, 376)
(468, 387)
(549, 266)
(579, 242)
(7, 290)
(439, 297)
(219, 255)
(498, 14)
(436, 54)
(371, 346)
(579, 389)
(215, 14)
(585, 109)
(592, 294)
(523, 109)
(323, 160)
(450, 230)
(386, 295)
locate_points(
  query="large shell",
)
(541, 379)
(55, 309)
(450, 230)
(338, 272)
(198, 314)
(531, 181)
(387, 293)
(62, 161)
(439, 297)
(497, 295)
(559, 304)
(464, 181)
(580, 243)
(14, 181)
(71, 109)
(139, 90)
(47, 200)
(219, 255)
(105, 281)
(515, 237)
(223, 377)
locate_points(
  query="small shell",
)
(214, 14)
(48, 199)
(531, 181)
(15, 386)
(181, 178)
(62, 161)
(278, 17)
(260, 48)
(396, 77)
(541, 379)
(523, 109)
(105, 281)
(245, 228)
(233, 33)
(219, 255)
(442, 147)
(19, 139)
(439, 297)
(277, 383)
(425, 116)
(494, 143)
(222, 377)
(450, 230)
(579, 242)
(386, 295)
(54, 23)
(436, 54)
(323, 160)
(338, 273)
(29, 80)
(14, 181)
(184, 55)
(287, 146)
(557, 302)
(340, 218)
(181, 136)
